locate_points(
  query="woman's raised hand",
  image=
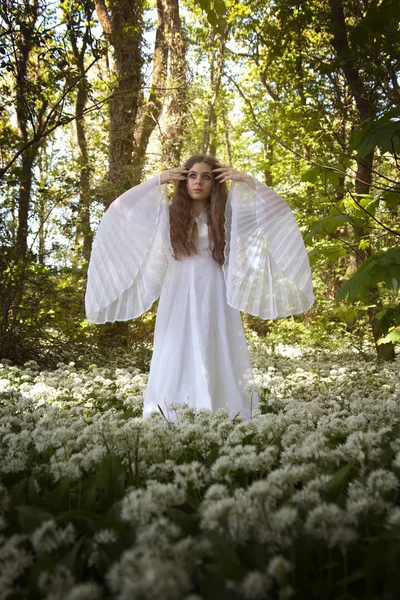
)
(173, 174)
(226, 173)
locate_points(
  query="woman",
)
(207, 256)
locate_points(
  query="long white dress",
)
(200, 354)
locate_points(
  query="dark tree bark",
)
(83, 233)
(150, 112)
(131, 120)
(24, 42)
(123, 27)
(366, 106)
(227, 138)
(177, 109)
(216, 62)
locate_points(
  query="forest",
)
(302, 500)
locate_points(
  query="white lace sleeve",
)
(130, 255)
(267, 271)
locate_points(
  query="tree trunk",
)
(366, 109)
(123, 27)
(41, 207)
(150, 112)
(227, 138)
(83, 234)
(130, 122)
(216, 62)
(24, 199)
(75, 17)
(177, 110)
(24, 43)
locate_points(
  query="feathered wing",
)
(130, 255)
(267, 271)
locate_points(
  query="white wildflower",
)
(329, 522)
(380, 482)
(255, 585)
(214, 515)
(4, 499)
(14, 560)
(55, 584)
(393, 518)
(192, 474)
(105, 536)
(84, 591)
(48, 537)
(139, 506)
(140, 574)
(279, 568)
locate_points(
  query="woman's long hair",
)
(183, 226)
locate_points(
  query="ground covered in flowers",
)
(302, 501)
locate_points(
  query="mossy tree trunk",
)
(364, 98)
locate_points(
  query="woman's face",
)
(199, 181)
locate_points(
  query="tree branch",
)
(298, 154)
(103, 16)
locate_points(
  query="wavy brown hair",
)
(183, 226)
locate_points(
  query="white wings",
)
(267, 271)
(130, 255)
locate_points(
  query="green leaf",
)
(340, 481)
(311, 175)
(110, 480)
(329, 225)
(392, 337)
(187, 522)
(89, 498)
(212, 18)
(212, 456)
(75, 559)
(90, 522)
(383, 133)
(248, 439)
(327, 174)
(394, 275)
(42, 564)
(114, 512)
(30, 517)
(58, 499)
(33, 495)
(18, 492)
(382, 266)
(205, 5)
(355, 287)
(392, 198)
(228, 563)
(220, 8)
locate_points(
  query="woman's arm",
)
(173, 174)
(227, 173)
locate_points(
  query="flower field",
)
(302, 501)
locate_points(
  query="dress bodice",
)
(202, 228)
(202, 240)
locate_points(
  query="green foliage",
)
(115, 487)
(331, 224)
(282, 111)
(45, 318)
(215, 11)
(392, 197)
(383, 133)
(392, 337)
(383, 266)
(327, 174)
